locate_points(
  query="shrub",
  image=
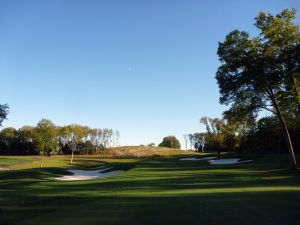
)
(170, 142)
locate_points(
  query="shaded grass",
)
(12, 160)
(159, 190)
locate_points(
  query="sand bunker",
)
(214, 161)
(227, 161)
(197, 159)
(89, 174)
(4, 168)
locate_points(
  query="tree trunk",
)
(41, 162)
(289, 143)
(8, 149)
(287, 137)
(72, 157)
(219, 144)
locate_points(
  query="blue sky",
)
(145, 68)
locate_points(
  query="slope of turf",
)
(109, 155)
(159, 190)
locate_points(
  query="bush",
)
(170, 142)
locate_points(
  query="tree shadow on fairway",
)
(157, 191)
(231, 208)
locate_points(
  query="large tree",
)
(257, 73)
(3, 113)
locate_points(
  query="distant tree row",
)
(264, 135)
(46, 138)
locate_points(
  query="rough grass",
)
(130, 153)
(155, 190)
(142, 151)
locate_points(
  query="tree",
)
(282, 38)
(45, 137)
(253, 74)
(214, 128)
(3, 112)
(170, 142)
(71, 136)
(8, 137)
(266, 135)
(92, 133)
(231, 137)
(26, 137)
(106, 137)
(200, 140)
(97, 137)
(110, 137)
(192, 141)
(186, 140)
(117, 137)
(151, 144)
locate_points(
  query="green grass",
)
(157, 190)
(7, 161)
(131, 153)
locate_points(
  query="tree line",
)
(263, 135)
(46, 139)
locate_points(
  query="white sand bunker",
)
(4, 168)
(89, 174)
(197, 159)
(227, 161)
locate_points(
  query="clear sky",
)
(145, 68)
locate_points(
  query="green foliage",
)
(214, 127)
(46, 136)
(197, 141)
(259, 73)
(8, 136)
(170, 142)
(3, 113)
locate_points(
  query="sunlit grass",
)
(156, 190)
